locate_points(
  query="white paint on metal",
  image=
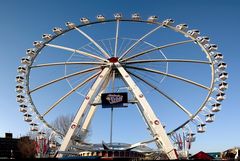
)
(67, 139)
(157, 131)
(94, 42)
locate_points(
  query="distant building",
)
(233, 153)
(9, 147)
(216, 155)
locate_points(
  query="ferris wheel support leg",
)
(88, 99)
(93, 108)
(155, 126)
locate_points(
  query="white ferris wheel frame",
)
(102, 78)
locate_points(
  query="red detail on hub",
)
(113, 59)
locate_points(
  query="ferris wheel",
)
(155, 62)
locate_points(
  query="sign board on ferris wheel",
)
(110, 100)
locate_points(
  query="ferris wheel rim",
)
(126, 20)
(105, 61)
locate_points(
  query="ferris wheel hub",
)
(113, 59)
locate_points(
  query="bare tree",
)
(62, 123)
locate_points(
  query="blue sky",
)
(23, 22)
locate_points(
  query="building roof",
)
(202, 155)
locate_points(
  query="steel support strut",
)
(155, 126)
(93, 108)
(87, 101)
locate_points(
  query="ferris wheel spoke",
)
(164, 94)
(113, 79)
(179, 127)
(167, 60)
(116, 39)
(67, 63)
(157, 48)
(65, 77)
(144, 36)
(111, 48)
(104, 45)
(94, 42)
(124, 45)
(70, 92)
(91, 49)
(170, 75)
(77, 51)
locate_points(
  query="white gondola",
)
(223, 76)
(201, 128)
(222, 66)
(100, 18)
(19, 79)
(19, 88)
(212, 53)
(190, 137)
(20, 98)
(216, 107)
(27, 117)
(218, 56)
(37, 44)
(25, 61)
(23, 108)
(70, 25)
(84, 20)
(136, 17)
(203, 40)
(118, 16)
(194, 33)
(47, 37)
(223, 86)
(168, 22)
(31, 52)
(209, 117)
(53, 144)
(152, 18)
(211, 47)
(22, 70)
(57, 30)
(182, 27)
(220, 96)
(41, 135)
(33, 127)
